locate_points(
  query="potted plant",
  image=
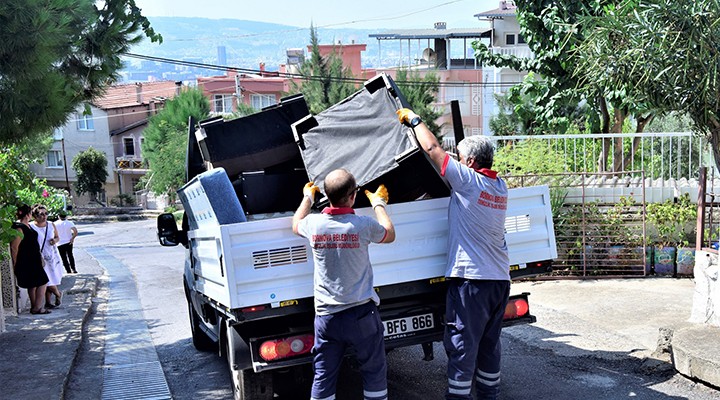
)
(622, 228)
(671, 229)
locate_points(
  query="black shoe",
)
(48, 305)
(74, 271)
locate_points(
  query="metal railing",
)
(596, 236)
(666, 155)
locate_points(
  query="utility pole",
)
(67, 181)
(238, 91)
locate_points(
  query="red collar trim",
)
(488, 172)
(338, 210)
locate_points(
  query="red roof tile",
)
(133, 94)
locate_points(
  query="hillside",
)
(247, 43)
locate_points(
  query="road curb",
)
(696, 353)
(89, 288)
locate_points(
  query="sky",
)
(368, 14)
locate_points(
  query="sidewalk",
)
(645, 318)
(38, 351)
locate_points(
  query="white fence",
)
(671, 162)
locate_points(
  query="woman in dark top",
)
(27, 261)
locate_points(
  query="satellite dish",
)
(429, 56)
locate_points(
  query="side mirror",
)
(167, 230)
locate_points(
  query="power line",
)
(225, 68)
(277, 32)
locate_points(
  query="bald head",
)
(340, 188)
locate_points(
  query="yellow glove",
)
(379, 198)
(405, 115)
(309, 190)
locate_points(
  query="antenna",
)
(429, 56)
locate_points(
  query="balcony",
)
(517, 51)
(129, 162)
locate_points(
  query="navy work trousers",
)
(474, 314)
(359, 328)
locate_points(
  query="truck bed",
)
(245, 264)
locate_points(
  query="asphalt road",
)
(560, 357)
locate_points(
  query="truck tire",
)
(200, 339)
(247, 385)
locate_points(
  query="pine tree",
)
(325, 81)
(58, 54)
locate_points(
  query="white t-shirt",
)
(343, 275)
(476, 215)
(64, 229)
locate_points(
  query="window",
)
(85, 122)
(455, 93)
(54, 159)
(510, 39)
(260, 101)
(129, 146)
(222, 103)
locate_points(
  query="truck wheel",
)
(294, 382)
(247, 385)
(200, 339)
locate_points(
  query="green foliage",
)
(421, 92)
(123, 200)
(15, 176)
(243, 110)
(528, 157)
(19, 186)
(564, 96)
(672, 221)
(91, 169)
(325, 81)
(165, 144)
(506, 122)
(57, 54)
(667, 51)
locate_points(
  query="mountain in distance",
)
(247, 43)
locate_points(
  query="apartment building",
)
(112, 124)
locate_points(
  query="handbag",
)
(44, 261)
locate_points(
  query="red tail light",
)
(253, 309)
(277, 349)
(516, 308)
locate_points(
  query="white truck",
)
(249, 280)
(249, 284)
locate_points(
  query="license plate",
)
(415, 323)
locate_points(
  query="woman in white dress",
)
(48, 238)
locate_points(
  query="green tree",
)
(554, 30)
(325, 81)
(421, 92)
(165, 140)
(91, 169)
(668, 51)
(58, 54)
(528, 157)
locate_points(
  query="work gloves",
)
(408, 117)
(379, 198)
(309, 190)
